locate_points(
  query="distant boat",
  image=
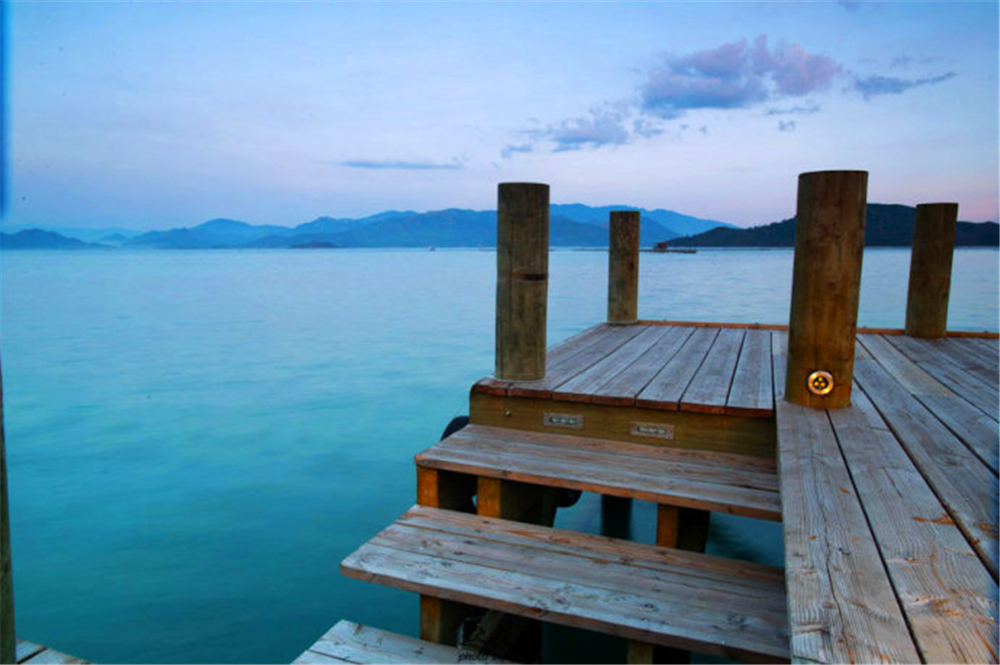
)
(664, 248)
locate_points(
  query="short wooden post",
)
(623, 267)
(8, 643)
(826, 283)
(930, 269)
(522, 280)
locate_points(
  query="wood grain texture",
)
(702, 480)
(947, 595)
(667, 387)
(656, 595)
(348, 642)
(622, 388)
(726, 434)
(930, 269)
(709, 387)
(522, 280)
(35, 654)
(962, 482)
(623, 267)
(826, 283)
(586, 385)
(841, 604)
(971, 387)
(752, 391)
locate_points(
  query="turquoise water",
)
(195, 439)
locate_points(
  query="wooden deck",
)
(29, 653)
(889, 506)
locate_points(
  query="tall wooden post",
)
(623, 267)
(8, 645)
(826, 283)
(522, 280)
(930, 269)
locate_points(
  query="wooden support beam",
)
(623, 267)
(522, 280)
(826, 282)
(930, 269)
(8, 642)
(441, 619)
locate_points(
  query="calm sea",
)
(196, 439)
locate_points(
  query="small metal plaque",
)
(654, 430)
(820, 382)
(570, 420)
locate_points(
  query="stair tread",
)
(641, 592)
(703, 480)
(349, 642)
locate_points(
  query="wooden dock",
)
(877, 450)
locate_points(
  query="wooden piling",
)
(623, 267)
(930, 269)
(7, 639)
(522, 280)
(826, 283)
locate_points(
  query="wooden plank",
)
(977, 430)
(964, 484)
(26, 650)
(947, 595)
(641, 592)
(705, 481)
(348, 642)
(970, 360)
(752, 392)
(595, 351)
(583, 386)
(969, 386)
(666, 388)
(683, 429)
(557, 354)
(52, 657)
(841, 605)
(622, 388)
(709, 387)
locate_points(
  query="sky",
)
(163, 114)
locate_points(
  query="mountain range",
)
(571, 225)
(886, 225)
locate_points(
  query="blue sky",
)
(162, 114)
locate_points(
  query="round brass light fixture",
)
(820, 382)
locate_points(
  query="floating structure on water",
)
(877, 451)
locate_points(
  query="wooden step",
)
(36, 654)
(640, 592)
(703, 480)
(349, 642)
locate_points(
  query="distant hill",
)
(886, 225)
(86, 234)
(570, 225)
(38, 239)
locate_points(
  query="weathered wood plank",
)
(348, 642)
(666, 388)
(583, 386)
(622, 388)
(947, 595)
(752, 392)
(570, 346)
(962, 482)
(957, 351)
(682, 429)
(706, 481)
(52, 657)
(970, 387)
(593, 352)
(710, 385)
(26, 650)
(686, 600)
(841, 605)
